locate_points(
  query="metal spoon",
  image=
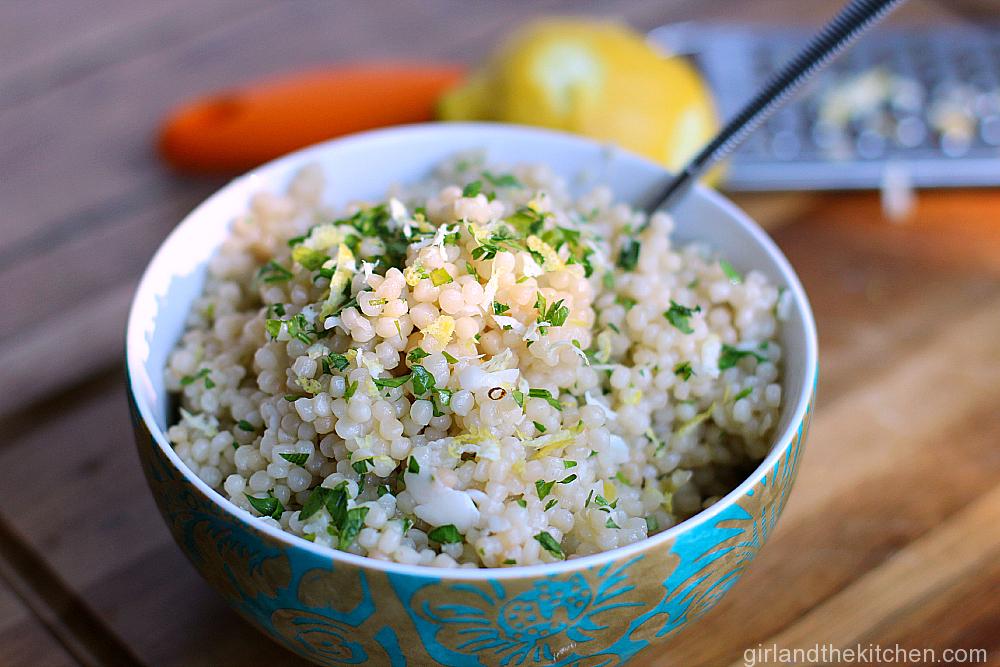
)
(831, 41)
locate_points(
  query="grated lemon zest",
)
(603, 347)
(442, 329)
(550, 443)
(551, 258)
(309, 385)
(610, 491)
(684, 428)
(632, 397)
(341, 278)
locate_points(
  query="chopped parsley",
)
(297, 458)
(351, 388)
(510, 561)
(353, 522)
(549, 544)
(267, 506)
(522, 502)
(422, 380)
(502, 180)
(412, 466)
(568, 479)
(203, 373)
(297, 327)
(628, 257)
(392, 382)
(500, 308)
(683, 370)
(550, 315)
(608, 280)
(626, 301)
(518, 398)
(734, 276)
(549, 505)
(680, 316)
(449, 358)
(244, 425)
(334, 361)
(442, 399)
(539, 427)
(545, 394)
(472, 189)
(603, 504)
(447, 534)
(333, 499)
(610, 523)
(743, 394)
(731, 356)
(569, 464)
(272, 272)
(361, 466)
(543, 488)
(407, 524)
(416, 354)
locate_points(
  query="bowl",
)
(335, 608)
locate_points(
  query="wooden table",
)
(891, 536)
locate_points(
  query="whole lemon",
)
(595, 78)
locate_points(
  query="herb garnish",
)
(297, 458)
(547, 395)
(743, 394)
(447, 534)
(416, 354)
(543, 488)
(391, 382)
(272, 272)
(549, 544)
(550, 315)
(354, 520)
(683, 370)
(734, 276)
(628, 257)
(731, 356)
(503, 180)
(351, 388)
(267, 506)
(203, 373)
(680, 316)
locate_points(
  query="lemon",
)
(594, 78)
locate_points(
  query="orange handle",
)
(239, 129)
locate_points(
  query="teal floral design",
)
(555, 621)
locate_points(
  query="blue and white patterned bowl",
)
(336, 608)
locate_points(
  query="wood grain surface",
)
(892, 535)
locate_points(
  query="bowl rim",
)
(481, 131)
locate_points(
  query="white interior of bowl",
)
(364, 166)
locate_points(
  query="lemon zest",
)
(684, 428)
(442, 329)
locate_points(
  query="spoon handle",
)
(835, 37)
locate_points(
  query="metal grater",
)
(920, 103)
